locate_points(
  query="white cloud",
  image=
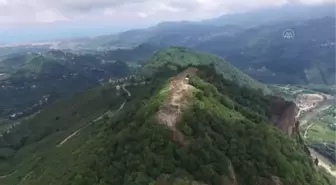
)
(143, 14)
(39, 11)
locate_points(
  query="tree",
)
(316, 161)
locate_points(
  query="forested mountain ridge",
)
(35, 63)
(186, 126)
(260, 51)
(252, 41)
(181, 56)
(188, 131)
(263, 53)
(289, 12)
(25, 78)
(190, 32)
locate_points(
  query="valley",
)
(313, 108)
(35, 80)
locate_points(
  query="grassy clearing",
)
(321, 132)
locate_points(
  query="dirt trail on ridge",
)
(171, 111)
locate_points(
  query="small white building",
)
(13, 115)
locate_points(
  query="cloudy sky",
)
(21, 16)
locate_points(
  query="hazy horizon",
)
(44, 20)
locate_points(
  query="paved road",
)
(128, 93)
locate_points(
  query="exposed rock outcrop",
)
(284, 115)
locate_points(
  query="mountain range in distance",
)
(251, 41)
(287, 12)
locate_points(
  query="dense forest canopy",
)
(230, 140)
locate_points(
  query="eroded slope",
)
(179, 91)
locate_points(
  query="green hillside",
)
(32, 145)
(222, 136)
(26, 78)
(185, 56)
(40, 64)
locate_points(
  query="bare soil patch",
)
(171, 111)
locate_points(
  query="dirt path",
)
(25, 177)
(4, 176)
(298, 114)
(97, 119)
(101, 117)
(72, 135)
(170, 112)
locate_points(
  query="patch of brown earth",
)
(284, 115)
(170, 112)
(308, 101)
(311, 98)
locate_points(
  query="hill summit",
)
(192, 129)
(182, 56)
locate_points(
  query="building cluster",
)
(44, 100)
(124, 79)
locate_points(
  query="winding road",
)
(77, 131)
(123, 87)
(95, 120)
